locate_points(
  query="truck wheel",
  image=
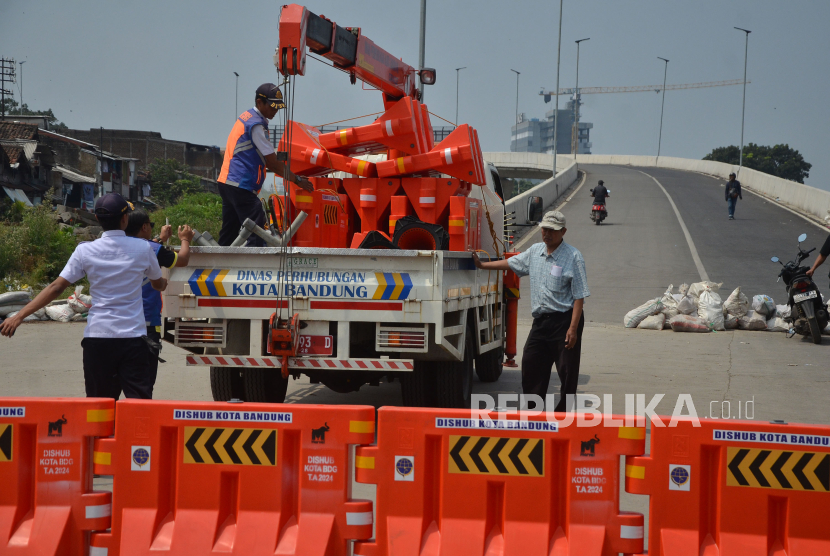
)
(264, 385)
(489, 365)
(454, 379)
(226, 384)
(417, 387)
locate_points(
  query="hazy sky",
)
(168, 66)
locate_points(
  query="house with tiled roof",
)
(25, 163)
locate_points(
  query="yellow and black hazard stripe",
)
(511, 293)
(778, 469)
(483, 455)
(330, 214)
(230, 446)
(6, 441)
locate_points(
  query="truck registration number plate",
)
(315, 345)
(799, 297)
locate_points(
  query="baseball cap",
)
(553, 220)
(271, 94)
(112, 204)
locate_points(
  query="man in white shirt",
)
(116, 352)
(249, 155)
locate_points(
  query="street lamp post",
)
(662, 106)
(457, 72)
(516, 120)
(575, 132)
(556, 106)
(236, 104)
(21, 86)
(743, 107)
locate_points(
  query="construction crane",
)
(636, 89)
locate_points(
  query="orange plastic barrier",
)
(309, 158)
(735, 488)
(327, 224)
(464, 224)
(47, 504)
(449, 484)
(400, 207)
(196, 478)
(431, 197)
(372, 198)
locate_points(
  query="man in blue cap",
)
(116, 352)
(249, 155)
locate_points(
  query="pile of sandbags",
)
(699, 308)
(73, 309)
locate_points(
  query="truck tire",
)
(264, 385)
(418, 387)
(489, 365)
(815, 330)
(454, 379)
(226, 384)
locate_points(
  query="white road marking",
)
(528, 236)
(695, 257)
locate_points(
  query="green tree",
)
(169, 180)
(779, 160)
(12, 107)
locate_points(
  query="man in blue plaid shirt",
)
(558, 288)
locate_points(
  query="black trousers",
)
(113, 365)
(545, 347)
(154, 360)
(237, 205)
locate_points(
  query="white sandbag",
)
(31, 318)
(677, 296)
(636, 316)
(6, 310)
(737, 303)
(698, 288)
(41, 314)
(654, 322)
(752, 321)
(669, 303)
(79, 302)
(783, 311)
(683, 289)
(777, 324)
(687, 306)
(730, 322)
(763, 304)
(60, 313)
(710, 309)
(15, 298)
(688, 323)
(78, 317)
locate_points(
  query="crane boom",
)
(643, 88)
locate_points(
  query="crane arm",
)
(642, 88)
(346, 48)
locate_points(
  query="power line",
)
(644, 88)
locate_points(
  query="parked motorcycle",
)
(808, 312)
(599, 212)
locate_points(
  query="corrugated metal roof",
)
(72, 176)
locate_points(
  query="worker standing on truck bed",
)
(116, 351)
(249, 155)
(558, 288)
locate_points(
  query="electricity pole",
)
(662, 106)
(575, 131)
(743, 107)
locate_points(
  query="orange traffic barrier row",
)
(449, 484)
(47, 505)
(735, 487)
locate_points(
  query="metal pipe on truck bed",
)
(250, 227)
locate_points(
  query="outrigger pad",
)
(412, 233)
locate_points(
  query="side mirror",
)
(535, 206)
(802, 238)
(427, 76)
(774, 259)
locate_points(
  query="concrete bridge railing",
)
(805, 198)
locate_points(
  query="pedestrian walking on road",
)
(116, 352)
(733, 193)
(558, 288)
(141, 227)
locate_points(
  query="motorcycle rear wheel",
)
(815, 330)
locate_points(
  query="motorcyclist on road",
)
(600, 193)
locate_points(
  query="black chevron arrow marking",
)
(6, 442)
(755, 467)
(249, 446)
(191, 445)
(229, 446)
(776, 469)
(494, 455)
(514, 456)
(798, 471)
(270, 447)
(823, 472)
(455, 453)
(537, 457)
(475, 451)
(733, 467)
(209, 445)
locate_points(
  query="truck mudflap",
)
(311, 363)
